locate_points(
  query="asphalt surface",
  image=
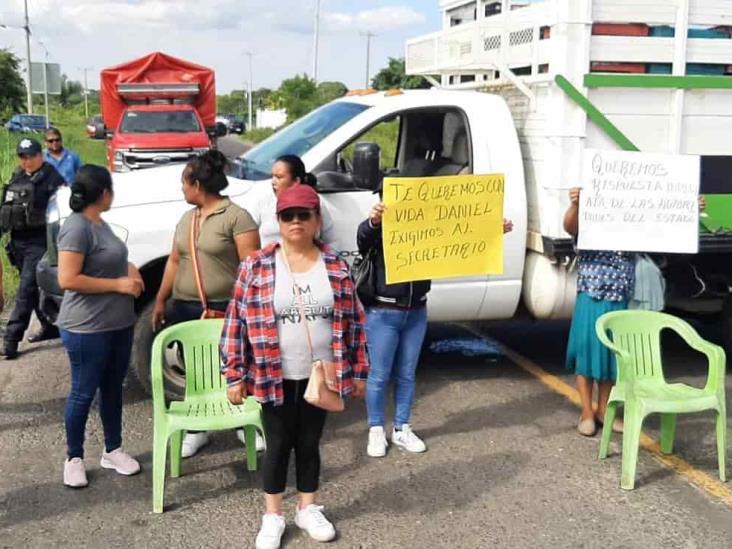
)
(505, 467)
(232, 146)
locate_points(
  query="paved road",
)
(504, 468)
(232, 146)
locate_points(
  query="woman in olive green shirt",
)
(227, 234)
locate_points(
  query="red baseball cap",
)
(298, 196)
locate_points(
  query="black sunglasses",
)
(288, 216)
(53, 140)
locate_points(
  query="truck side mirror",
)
(108, 134)
(367, 166)
(217, 130)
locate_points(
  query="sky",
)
(216, 33)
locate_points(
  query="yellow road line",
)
(700, 479)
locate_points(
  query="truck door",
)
(420, 142)
(347, 205)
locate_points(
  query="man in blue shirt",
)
(65, 161)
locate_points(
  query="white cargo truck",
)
(602, 74)
(527, 104)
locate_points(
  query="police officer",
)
(23, 215)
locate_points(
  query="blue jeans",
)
(99, 361)
(394, 339)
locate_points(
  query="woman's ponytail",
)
(310, 180)
(89, 185)
(209, 170)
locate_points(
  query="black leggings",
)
(295, 425)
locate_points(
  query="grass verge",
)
(92, 151)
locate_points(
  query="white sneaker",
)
(377, 442)
(270, 534)
(75, 473)
(192, 443)
(312, 520)
(260, 444)
(121, 462)
(407, 439)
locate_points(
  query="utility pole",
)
(369, 35)
(249, 95)
(28, 77)
(315, 41)
(28, 59)
(86, 91)
(45, 90)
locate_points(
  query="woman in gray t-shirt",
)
(96, 321)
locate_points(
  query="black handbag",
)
(364, 275)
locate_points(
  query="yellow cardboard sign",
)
(443, 227)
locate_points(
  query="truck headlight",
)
(119, 161)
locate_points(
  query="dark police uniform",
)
(23, 216)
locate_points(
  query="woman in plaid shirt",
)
(266, 352)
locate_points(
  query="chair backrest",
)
(199, 346)
(638, 333)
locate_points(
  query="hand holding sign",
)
(639, 202)
(442, 227)
(377, 213)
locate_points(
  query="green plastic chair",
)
(641, 388)
(205, 406)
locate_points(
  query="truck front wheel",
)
(173, 375)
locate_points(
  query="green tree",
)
(72, 92)
(261, 98)
(235, 102)
(328, 91)
(12, 87)
(298, 95)
(394, 76)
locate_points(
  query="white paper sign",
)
(639, 202)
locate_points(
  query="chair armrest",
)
(157, 357)
(717, 360)
(622, 354)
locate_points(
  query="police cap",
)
(28, 146)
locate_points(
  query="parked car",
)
(234, 122)
(95, 127)
(237, 124)
(27, 123)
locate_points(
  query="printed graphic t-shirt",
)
(313, 288)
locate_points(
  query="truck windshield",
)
(159, 122)
(297, 138)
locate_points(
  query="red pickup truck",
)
(157, 110)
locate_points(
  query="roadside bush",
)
(257, 135)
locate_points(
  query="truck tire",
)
(173, 377)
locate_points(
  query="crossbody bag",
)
(207, 312)
(321, 389)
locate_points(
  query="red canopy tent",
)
(157, 76)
